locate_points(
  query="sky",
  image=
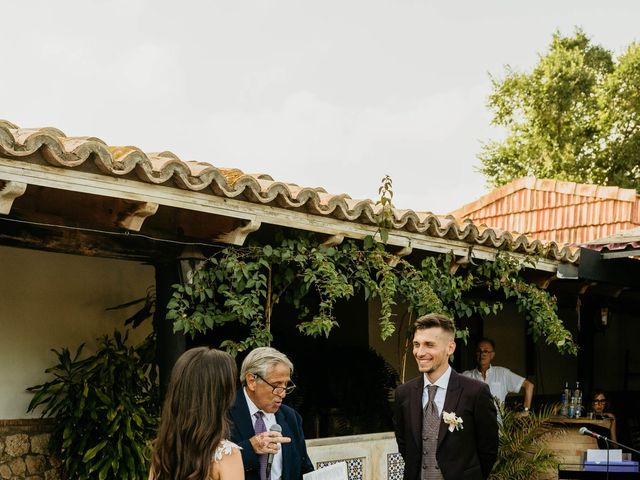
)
(325, 93)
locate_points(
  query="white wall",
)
(50, 300)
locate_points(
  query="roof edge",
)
(547, 185)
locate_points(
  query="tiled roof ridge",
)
(158, 168)
(556, 227)
(547, 185)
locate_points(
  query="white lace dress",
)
(225, 448)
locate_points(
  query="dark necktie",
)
(259, 428)
(431, 427)
(431, 411)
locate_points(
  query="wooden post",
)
(169, 345)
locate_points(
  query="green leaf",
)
(89, 454)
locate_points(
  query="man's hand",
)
(268, 442)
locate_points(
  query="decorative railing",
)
(369, 457)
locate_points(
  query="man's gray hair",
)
(261, 360)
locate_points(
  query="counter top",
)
(605, 422)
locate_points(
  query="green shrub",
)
(106, 409)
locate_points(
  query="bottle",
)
(572, 407)
(578, 394)
(564, 400)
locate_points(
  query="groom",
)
(445, 423)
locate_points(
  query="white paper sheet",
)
(337, 471)
(594, 455)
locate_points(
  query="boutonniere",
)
(454, 422)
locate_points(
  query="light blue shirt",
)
(442, 383)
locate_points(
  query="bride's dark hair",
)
(195, 414)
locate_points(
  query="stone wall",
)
(24, 450)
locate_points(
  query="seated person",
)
(599, 408)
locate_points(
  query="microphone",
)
(274, 428)
(589, 433)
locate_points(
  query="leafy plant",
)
(146, 311)
(243, 285)
(106, 406)
(385, 215)
(522, 452)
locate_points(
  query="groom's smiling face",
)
(432, 348)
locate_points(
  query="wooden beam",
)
(78, 242)
(403, 252)
(9, 191)
(333, 240)
(133, 217)
(544, 283)
(239, 235)
(635, 252)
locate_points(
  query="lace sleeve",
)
(225, 448)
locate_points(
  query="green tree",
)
(575, 116)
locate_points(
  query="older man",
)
(266, 380)
(501, 380)
(445, 424)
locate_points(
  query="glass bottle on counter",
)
(578, 394)
(572, 407)
(565, 400)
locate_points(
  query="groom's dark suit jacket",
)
(468, 453)
(295, 460)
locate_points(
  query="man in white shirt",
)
(501, 380)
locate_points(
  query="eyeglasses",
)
(487, 352)
(277, 390)
(599, 401)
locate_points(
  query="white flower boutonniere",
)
(454, 422)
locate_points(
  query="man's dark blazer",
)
(295, 460)
(462, 454)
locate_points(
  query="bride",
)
(192, 441)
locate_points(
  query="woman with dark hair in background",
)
(599, 406)
(192, 441)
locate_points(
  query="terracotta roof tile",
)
(560, 211)
(165, 168)
(621, 240)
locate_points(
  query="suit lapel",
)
(454, 390)
(416, 411)
(286, 449)
(242, 418)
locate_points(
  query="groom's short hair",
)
(433, 320)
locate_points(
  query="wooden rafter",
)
(9, 191)
(133, 217)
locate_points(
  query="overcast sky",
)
(319, 93)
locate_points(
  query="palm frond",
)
(522, 452)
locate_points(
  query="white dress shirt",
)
(501, 381)
(442, 383)
(269, 421)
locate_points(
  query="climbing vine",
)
(244, 284)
